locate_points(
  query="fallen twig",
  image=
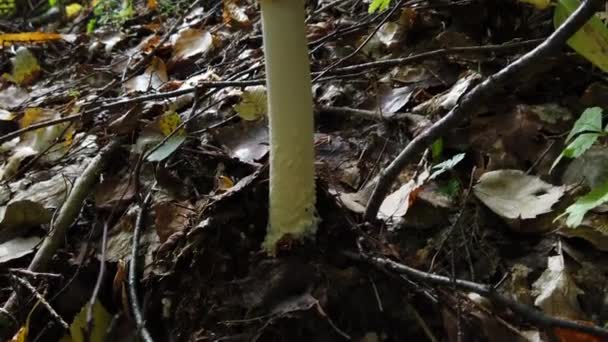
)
(386, 63)
(531, 314)
(102, 270)
(34, 275)
(362, 45)
(183, 124)
(41, 299)
(416, 119)
(475, 98)
(66, 216)
(142, 331)
(115, 103)
(33, 127)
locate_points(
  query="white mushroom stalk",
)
(290, 109)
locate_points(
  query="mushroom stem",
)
(290, 107)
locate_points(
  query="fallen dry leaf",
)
(513, 194)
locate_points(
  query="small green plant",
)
(376, 5)
(74, 93)
(585, 133)
(437, 149)
(110, 12)
(7, 8)
(170, 7)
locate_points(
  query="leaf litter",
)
(181, 86)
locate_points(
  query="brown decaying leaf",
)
(171, 218)
(557, 292)
(189, 43)
(113, 191)
(210, 264)
(153, 77)
(234, 14)
(514, 138)
(118, 288)
(568, 335)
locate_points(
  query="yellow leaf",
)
(169, 122)
(253, 103)
(224, 183)
(68, 137)
(72, 10)
(33, 37)
(152, 5)
(31, 115)
(591, 41)
(101, 321)
(43, 139)
(25, 67)
(21, 335)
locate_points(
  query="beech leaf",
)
(514, 194)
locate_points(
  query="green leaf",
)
(91, 25)
(382, 5)
(126, 10)
(591, 41)
(446, 165)
(578, 209)
(167, 148)
(101, 321)
(450, 189)
(580, 145)
(436, 149)
(590, 122)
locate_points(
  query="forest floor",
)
(141, 130)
